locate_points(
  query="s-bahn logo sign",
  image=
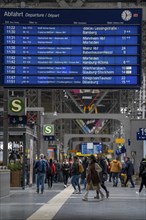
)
(16, 106)
(48, 129)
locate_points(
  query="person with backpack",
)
(142, 174)
(41, 166)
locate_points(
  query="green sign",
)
(16, 106)
(48, 129)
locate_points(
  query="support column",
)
(5, 129)
(24, 161)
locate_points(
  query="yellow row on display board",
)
(83, 155)
(87, 155)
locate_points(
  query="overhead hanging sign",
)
(48, 130)
(71, 48)
(120, 140)
(15, 120)
(17, 106)
(141, 134)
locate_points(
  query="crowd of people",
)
(50, 171)
(91, 172)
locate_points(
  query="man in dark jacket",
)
(41, 167)
(85, 163)
(65, 171)
(129, 170)
(75, 175)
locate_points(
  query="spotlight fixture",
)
(65, 95)
(55, 113)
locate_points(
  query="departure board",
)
(70, 48)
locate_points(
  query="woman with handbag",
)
(92, 179)
(103, 175)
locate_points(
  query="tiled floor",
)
(60, 204)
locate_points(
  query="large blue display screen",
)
(91, 148)
(70, 48)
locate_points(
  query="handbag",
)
(104, 176)
(81, 168)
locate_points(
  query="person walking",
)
(122, 174)
(109, 170)
(93, 179)
(51, 173)
(103, 174)
(85, 163)
(116, 168)
(65, 171)
(41, 167)
(142, 174)
(129, 170)
(75, 174)
(58, 175)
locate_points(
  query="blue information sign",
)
(49, 138)
(18, 120)
(141, 134)
(71, 48)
